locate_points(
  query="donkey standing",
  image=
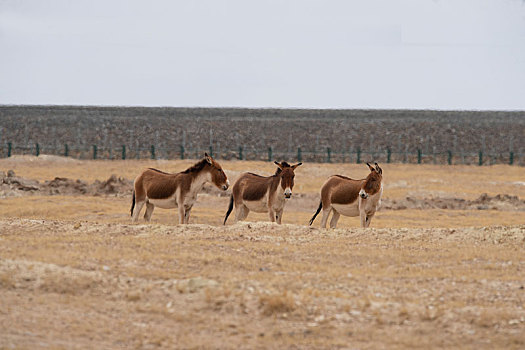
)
(342, 195)
(156, 188)
(262, 194)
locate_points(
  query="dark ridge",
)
(403, 132)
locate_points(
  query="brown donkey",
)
(262, 194)
(342, 195)
(156, 188)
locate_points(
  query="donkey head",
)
(372, 183)
(287, 174)
(218, 177)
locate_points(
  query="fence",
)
(351, 155)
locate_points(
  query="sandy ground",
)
(74, 273)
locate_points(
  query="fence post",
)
(37, 149)
(299, 154)
(66, 150)
(511, 158)
(418, 156)
(152, 152)
(449, 157)
(270, 154)
(94, 151)
(480, 158)
(388, 155)
(123, 151)
(211, 151)
(181, 151)
(358, 159)
(240, 153)
(9, 149)
(328, 155)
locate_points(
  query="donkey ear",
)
(278, 164)
(296, 165)
(370, 167)
(208, 158)
(378, 169)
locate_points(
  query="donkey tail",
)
(317, 212)
(230, 208)
(133, 203)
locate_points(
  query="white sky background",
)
(429, 54)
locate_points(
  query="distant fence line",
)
(328, 155)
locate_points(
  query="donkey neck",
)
(199, 179)
(275, 183)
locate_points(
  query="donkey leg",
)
(187, 215)
(182, 213)
(326, 212)
(363, 218)
(136, 212)
(335, 218)
(241, 212)
(271, 214)
(149, 211)
(368, 219)
(279, 216)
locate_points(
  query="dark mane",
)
(349, 178)
(195, 168)
(279, 170)
(256, 175)
(159, 171)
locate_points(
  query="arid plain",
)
(442, 266)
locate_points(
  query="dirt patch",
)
(16, 186)
(503, 202)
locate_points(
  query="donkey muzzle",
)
(224, 187)
(363, 194)
(288, 195)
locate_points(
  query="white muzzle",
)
(363, 194)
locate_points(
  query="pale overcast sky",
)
(430, 54)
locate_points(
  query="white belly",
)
(260, 206)
(167, 203)
(351, 209)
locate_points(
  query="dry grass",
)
(75, 273)
(277, 303)
(295, 285)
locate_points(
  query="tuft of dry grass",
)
(277, 303)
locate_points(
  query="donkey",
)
(156, 188)
(342, 195)
(262, 194)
